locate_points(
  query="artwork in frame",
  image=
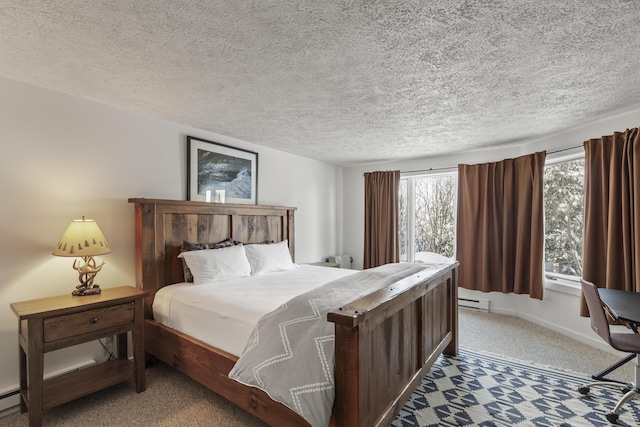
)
(221, 173)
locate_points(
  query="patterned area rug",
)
(479, 389)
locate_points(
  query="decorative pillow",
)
(188, 246)
(266, 258)
(210, 265)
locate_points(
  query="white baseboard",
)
(592, 341)
(11, 402)
(504, 311)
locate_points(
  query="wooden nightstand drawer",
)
(75, 324)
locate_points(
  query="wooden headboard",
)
(162, 225)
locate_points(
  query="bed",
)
(385, 341)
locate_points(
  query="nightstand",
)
(49, 324)
(326, 264)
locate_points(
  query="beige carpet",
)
(523, 340)
(171, 399)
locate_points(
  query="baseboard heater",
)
(10, 396)
(478, 304)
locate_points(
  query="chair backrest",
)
(599, 322)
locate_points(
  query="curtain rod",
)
(431, 169)
(564, 149)
(455, 167)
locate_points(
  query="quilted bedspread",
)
(290, 354)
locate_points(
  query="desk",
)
(623, 306)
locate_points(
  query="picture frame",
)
(221, 173)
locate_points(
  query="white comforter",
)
(223, 314)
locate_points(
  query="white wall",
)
(559, 310)
(63, 157)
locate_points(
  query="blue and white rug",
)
(478, 389)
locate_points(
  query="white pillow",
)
(269, 257)
(210, 265)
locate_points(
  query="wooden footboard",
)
(386, 342)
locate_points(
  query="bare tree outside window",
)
(427, 208)
(564, 217)
(403, 219)
(435, 216)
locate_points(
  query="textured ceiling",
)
(340, 81)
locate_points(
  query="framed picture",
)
(220, 173)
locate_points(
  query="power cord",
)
(108, 352)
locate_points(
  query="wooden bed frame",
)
(385, 341)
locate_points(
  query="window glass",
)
(564, 218)
(427, 216)
(403, 226)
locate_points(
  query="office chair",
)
(626, 342)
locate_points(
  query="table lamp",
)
(83, 239)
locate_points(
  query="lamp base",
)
(83, 290)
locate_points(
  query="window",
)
(427, 216)
(564, 219)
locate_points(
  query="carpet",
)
(480, 389)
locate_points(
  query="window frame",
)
(411, 206)
(553, 281)
(556, 281)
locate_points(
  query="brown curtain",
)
(381, 218)
(500, 236)
(611, 247)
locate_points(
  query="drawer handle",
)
(94, 320)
